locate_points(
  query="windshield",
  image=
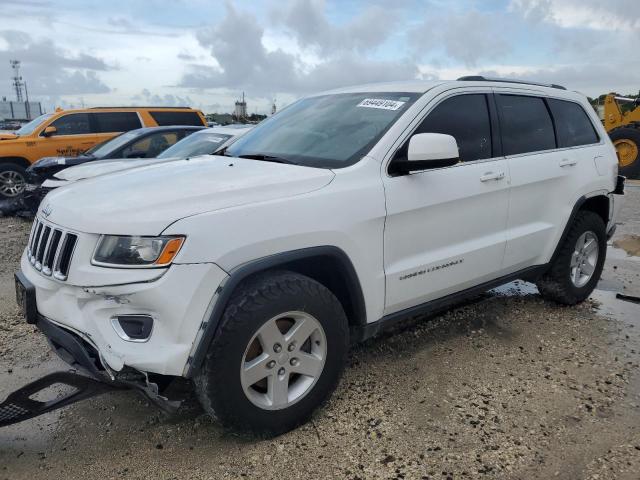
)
(202, 143)
(96, 147)
(28, 128)
(107, 148)
(329, 131)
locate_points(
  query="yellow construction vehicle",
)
(624, 130)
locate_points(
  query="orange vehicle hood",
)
(8, 136)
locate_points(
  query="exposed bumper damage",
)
(83, 325)
(87, 379)
(177, 301)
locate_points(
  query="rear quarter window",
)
(573, 126)
(113, 122)
(176, 118)
(526, 124)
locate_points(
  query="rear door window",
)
(72, 124)
(573, 126)
(163, 118)
(114, 122)
(525, 124)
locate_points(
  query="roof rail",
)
(141, 106)
(480, 78)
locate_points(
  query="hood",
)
(145, 200)
(8, 136)
(46, 167)
(101, 167)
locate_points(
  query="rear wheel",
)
(627, 143)
(278, 354)
(576, 270)
(12, 180)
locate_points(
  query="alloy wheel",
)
(11, 183)
(584, 259)
(283, 360)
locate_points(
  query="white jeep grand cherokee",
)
(345, 212)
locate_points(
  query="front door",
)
(73, 136)
(446, 228)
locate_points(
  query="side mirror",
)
(50, 130)
(428, 150)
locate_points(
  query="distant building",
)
(241, 109)
(19, 111)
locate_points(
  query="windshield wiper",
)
(267, 158)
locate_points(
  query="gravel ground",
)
(509, 386)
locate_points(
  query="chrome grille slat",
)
(33, 229)
(50, 249)
(36, 241)
(56, 261)
(66, 253)
(42, 245)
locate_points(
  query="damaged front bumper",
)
(177, 299)
(89, 377)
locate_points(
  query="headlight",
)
(115, 250)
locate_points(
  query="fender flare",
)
(19, 161)
(242, 272)
(576, 208)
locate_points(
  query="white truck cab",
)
(349, 210)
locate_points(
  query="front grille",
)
(50, 249)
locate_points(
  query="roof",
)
(418, 86)
(137, 107)
(164, 128)
(130, 108)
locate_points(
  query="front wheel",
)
(12, 180)
(576, 269)
(278, 354)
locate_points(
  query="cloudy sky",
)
(206, 52)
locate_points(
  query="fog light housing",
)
(133, 328)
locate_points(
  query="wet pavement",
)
(509, 386)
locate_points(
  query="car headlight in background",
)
(135, 251)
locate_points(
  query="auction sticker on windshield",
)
(381, 103)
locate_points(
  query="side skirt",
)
(360, 333)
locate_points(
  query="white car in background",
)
(203, 142)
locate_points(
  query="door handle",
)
(567, 162)
(492, 176)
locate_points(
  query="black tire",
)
(629, 134)
(263, 297)
(14, 171)
(556, 283)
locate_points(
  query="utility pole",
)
(17, 79)
(27, 106)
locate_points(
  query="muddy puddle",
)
(629, 243)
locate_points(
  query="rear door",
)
(446, 228)
(107, 125)
(546, 176)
